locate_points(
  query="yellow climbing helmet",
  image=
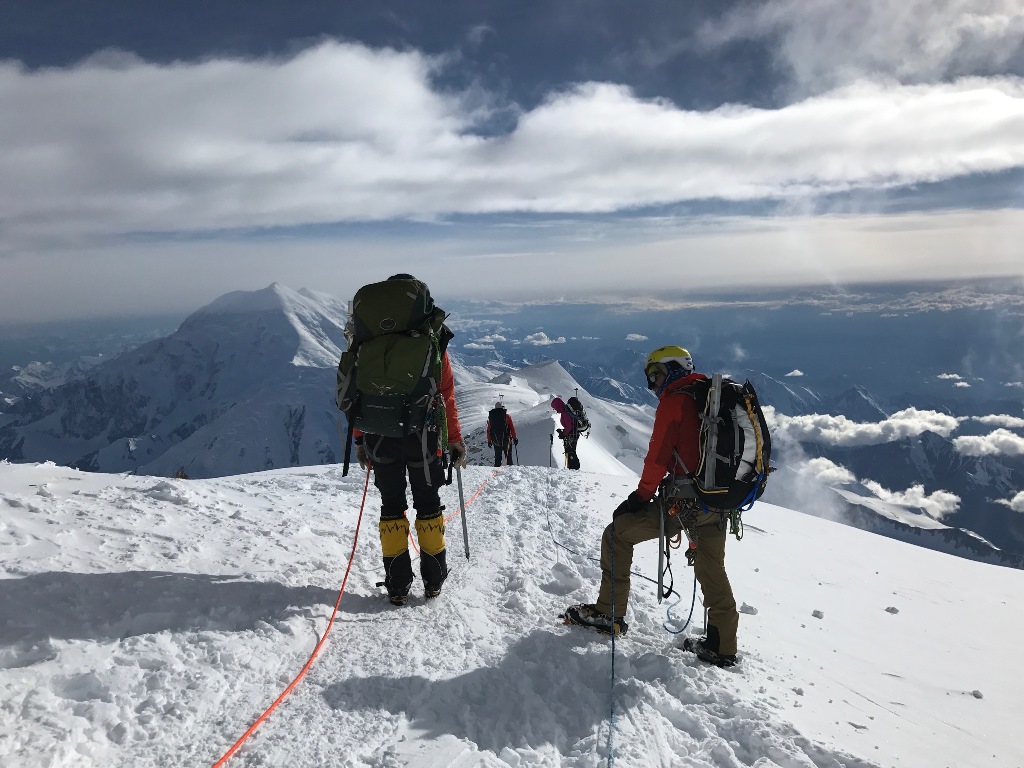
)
(658, 360)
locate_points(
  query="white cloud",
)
(477, 345)
(950, 376)
(1015, 384)
(491, 339)
(341, 132)
(635, 337)
(962, 385)
(541, 339)
(937, 504)
(1001, 442)
(738, 353)
(825, 43)
(1002, 420)
(795, 372)
(1016, 503)
(825, 471)
(839, 430)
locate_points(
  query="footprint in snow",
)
(564, 581)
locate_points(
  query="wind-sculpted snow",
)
(147, 622)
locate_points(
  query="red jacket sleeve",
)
(511, 426)
(448, 393)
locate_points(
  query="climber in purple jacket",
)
(568, 433)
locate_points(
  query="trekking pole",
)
(552, 451)
(516, 446)
(462, 506)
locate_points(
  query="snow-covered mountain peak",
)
(245, 383)
(547, 377)
(275, 297)
(301, 325)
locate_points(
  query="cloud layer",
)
(839, 430)
(1016, 503)
(937, 504)
(1000, 442)
(341, 132)
(823, 471)
(826, 43)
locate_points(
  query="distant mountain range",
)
(244, 384)
(247, 384)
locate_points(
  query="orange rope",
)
(316, 650)
(473, 497)
(309, 663)
(456, 512)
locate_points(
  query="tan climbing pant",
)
(709, 532)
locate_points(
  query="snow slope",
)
(147, 622)
(616, 444)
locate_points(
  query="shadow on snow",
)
(97, 606)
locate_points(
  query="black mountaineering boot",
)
(589, 616)
(699, 646)
(398, 577)
(433, 589)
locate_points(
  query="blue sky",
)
(156, 155)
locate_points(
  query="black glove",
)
(560, 433)
(489, 444)
(633, 503)
(515, 441)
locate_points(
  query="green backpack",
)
(389, 378)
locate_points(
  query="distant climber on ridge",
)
(501, 434)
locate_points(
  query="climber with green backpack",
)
(397, 391)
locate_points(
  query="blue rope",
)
(668, 612)
(559, 544)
